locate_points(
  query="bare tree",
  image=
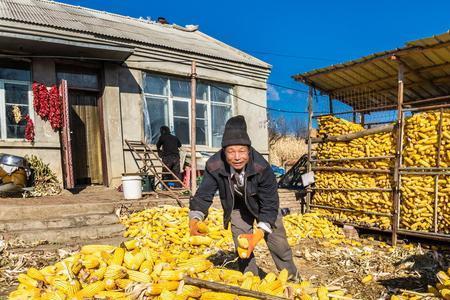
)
(298, 127)
(278, 128)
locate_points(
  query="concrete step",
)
(63, 235)
(55, 223)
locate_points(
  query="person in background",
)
(167, 147)
(249, 195)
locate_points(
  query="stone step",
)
(61, 210)
(63, 235)
(55, 223)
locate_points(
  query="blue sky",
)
(317, 33)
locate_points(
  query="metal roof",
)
(427, 73)
(79, 19)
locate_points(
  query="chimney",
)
(162, 20)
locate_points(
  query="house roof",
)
(112, 26)
(427, 74)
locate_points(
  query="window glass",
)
(79, 80)
(220, 93)
(156, 85)
(181, 129)
(181, 109)
(15, 74)
(16, 104)
(180, 88)
(220, 114)
(202, 92)
(158, 115)
(201, 110)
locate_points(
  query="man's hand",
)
(249, 242)
(196, 227)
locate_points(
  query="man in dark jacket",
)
(170, 155)
(248, 193)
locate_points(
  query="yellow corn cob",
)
(242, 252)
(115, 272)
(199, 240)
(243, 242)
(35, 274)
(146, 267)
(27, 280)
(110, 284)
(202, 227)
(90, 261)
(91, 249)
(67, 287)
(123, 283)
(139, 276)
(131, 244)
(247, 283)
(268, 287)
(322, 293)
(191, 291)
(118, 255)
(92, 289)
(171, 275)
(367, 279)
(283, 276)
(97, 274)
(270, 277)
(154, 289)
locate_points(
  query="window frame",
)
(3, 125)
(208, 102)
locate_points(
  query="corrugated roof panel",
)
(69, 17)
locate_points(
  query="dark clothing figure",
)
(247, 196)
(170, 155)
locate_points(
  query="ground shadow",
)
(425, 266)
(228, 259)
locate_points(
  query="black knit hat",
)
(235, 132)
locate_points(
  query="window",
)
(15, 102)
(168, 103)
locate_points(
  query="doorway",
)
(85, 137)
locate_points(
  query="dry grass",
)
(286, 150)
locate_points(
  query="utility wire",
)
(291, 56)
(176, 61)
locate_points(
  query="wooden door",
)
(86, 144)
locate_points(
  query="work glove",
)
(197, 227)
(248, 242)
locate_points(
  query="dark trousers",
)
(173, 163)
(242, 222)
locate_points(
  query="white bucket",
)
(132, 187)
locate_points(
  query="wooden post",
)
(308, 163)
(398, 153)
(330, 100)
(193, 128)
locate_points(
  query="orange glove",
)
(196, 227)
(248, 242)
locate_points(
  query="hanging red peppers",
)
(55, 105)
(29, 129)
(47, 104)
(41, 100)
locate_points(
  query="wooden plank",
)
(223, 288)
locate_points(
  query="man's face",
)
(237, 156)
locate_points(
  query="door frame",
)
(98, 91)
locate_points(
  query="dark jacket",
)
(261, 195)
(170, 145)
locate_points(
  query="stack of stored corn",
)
(418, 191)
(310, 225)
(153, 264)
(375, 145)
